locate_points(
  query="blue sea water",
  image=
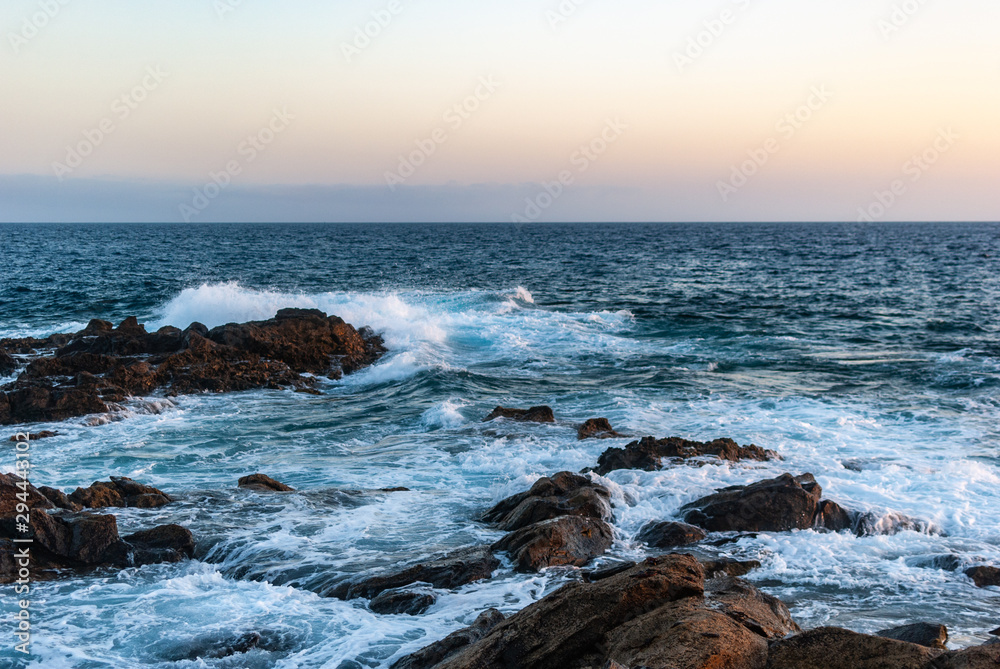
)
(867, 355)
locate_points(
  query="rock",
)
(540, 414)
(566, 541)
(44, 434)
(605, 572)
(648, 453)
(874, 524)
(669, 534)
(996, 632)
(725, 567)
(263, 483)
(986, 656)
(446, 573)
(8, 365)
(121, 491)
(946, 562)
(835, 648)
(166, 543)
(922, 634)
(597, 428)
(439, 651)
(984, 577)
(762, 614)
(59, 499)
(564, 494)
(11, 486)
(571, 626)
(102, 365)
(833, 517)
(402, 602)
(775, 505)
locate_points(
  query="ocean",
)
(865, 354)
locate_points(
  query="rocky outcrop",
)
(836, 648)
(402, 602)
(567, 541)
(669, 534)
(120, 492)
(455, 642)
(8, 365)
(660, 613)
(775, 505)
(597, 428)
(922, 634)
(101, 365)
(984, 577)
(649, 453)
(541, 414)
(986, 656)
(563, 494)
(263, 483)
(449, 572)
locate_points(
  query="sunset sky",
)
(837, 101)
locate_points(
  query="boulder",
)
(597, 428)
(402, 602)
(541, 414)
(922, 634)
(986, 656)
(775, 505)
(60, 499)
(439, 651)
(8, 365)
(833, 517)
(263, 483)
(565, 541)
(451, 571)
(836, 648)
(564, 494)
(727, 567)
(166, 543)
(984, 577)
(649, 453)
(121, 491)
(762, 614)
(669, 534)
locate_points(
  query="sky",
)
(546, 110)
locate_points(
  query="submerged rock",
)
(566, 541)
(669, 534)
(649, 453)
(541, 414)
(437, 652)
(263, 483)
(451, 571)
(35, 436)
(922, 634)
(101, 364)
(121, 491)
(775, 505)
(564, 494)
(597, 428)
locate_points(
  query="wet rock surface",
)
(922, 634)
(263, 483)
(101, 365)
(649, 454)
(437, 652)
(563, 494)
(836, 648)
(540, 414)
(984, 577)
(670, 534)
(597, 428)
(121, 492)
(567, 541)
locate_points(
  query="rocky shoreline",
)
(670, 611)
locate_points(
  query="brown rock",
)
(263, 483)
(402, 602)
(835, 648)
(166, 543)
(757, 611)
(986, 656)
(8, 365)
(564, 494)
(59, 499)
(669, 534)
(726, 567)
(775, 505)
(648, 453)
(121, 492)
(451, 571)
(597, 428)
(540, 414)
(11, 486)
(833, 517)
(922, 634)
(439, 651)
(984, 577)
(566, 541)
